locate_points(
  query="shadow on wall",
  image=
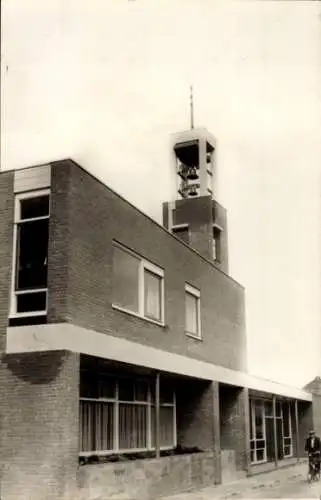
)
(35, 368)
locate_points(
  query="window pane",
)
(259, 421)
(32, 302)
(260, 444)
(34, 207)
(252, 445)
(88, 384)
(268, 408)
(107, 386)
(191, 313)
(96, 426)
(125, 389)
(32, 253)
(252, 456)
(166, 426)
(287, 441)
(166, 393)
(152, 295)
(216, 243)
(125, 280)
(141, 390)
(286, 419)
(287, 450)
(260, 455)
(132, 426)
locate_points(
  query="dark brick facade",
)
(234, 426)
(39, 447)
(89, 216)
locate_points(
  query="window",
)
(257, 431)
(209, 178)
(182, 232)
(138, 285)
(287, 429)
(118, 415)
(192, 311)
(216, 244)
(30, 259)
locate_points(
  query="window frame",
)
(254, 403)
(149, 404)
(216, 243)
(17, 220)
(144, 264)
(290, 435)
(196, 294)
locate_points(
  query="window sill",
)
(136, 315)
(193, 336)
(27, 314)
(124, 451)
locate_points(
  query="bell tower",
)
(194, 215)
(193, 156)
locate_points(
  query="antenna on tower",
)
(192, 107)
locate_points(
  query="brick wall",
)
(198, 419)
(94, 215)
(6, 232)
(6, 235)
(40, 426)
(234, 420)
(305, 413)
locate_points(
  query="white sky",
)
(107, 81)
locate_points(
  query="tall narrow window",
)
(138, 285)
(216, 244)
(258, 431)
(182, 232)
(126, 280)
(31, 236)
(192, 311)
(287, 429)
(153, 293)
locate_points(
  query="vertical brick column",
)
(40, 426)
(235, 427)
(305, 417)
(6, 241)
(217, 433)
(198, 419)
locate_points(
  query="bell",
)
(192, 191)
(192, 174)
(182, 170)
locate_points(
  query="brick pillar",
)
(6, 240)
(198, 419)
(305, 417)
(235, 425)
(39, 450)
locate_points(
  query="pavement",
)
(286, 483)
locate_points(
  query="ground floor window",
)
(262, 425)
(257, 432)
(118, 415)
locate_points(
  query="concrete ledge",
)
(66, 336)
(146, 479)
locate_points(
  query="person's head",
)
(312, 433)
